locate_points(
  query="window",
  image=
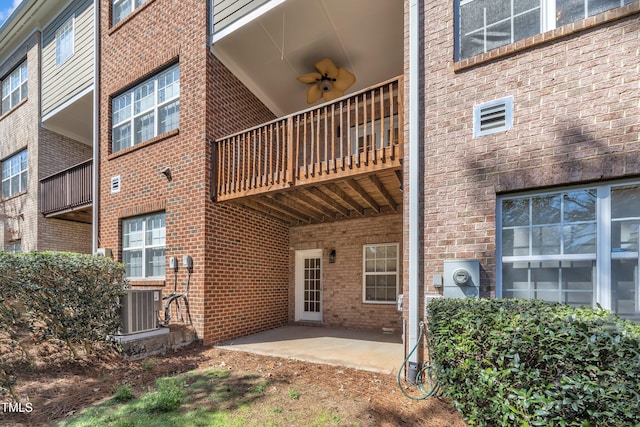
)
(14, 247)
(14, 175)
(64, 41)
(483, 25)
(492, 117)
(14, 88)
(148, 110)
(380, 265)
(122, 8)
(143, 246)
(578, 247)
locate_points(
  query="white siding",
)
(62, 82)
(226, 12)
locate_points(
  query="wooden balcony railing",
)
(68, 189)
(356, 134)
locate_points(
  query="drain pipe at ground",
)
(414, 179)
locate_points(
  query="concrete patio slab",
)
(359, 349)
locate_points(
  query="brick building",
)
(287, 221)
(502, 137)
(531, 142)
(46, 122)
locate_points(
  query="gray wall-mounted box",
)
(461, 278)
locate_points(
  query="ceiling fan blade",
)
(326, 66)
(344, 80)
(310, 78)
(332, 94)
(314, 93)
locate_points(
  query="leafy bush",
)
(532, 363)
(70, 297)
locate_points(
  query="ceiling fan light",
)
(325, 85)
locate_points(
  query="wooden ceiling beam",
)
(321, 197)
(398, 175)
(274, 204)
(252, 204)
(383, 192)
(365, 196)
(344, 196)
(296, 205)
(302, 197)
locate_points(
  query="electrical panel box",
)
(461, 278)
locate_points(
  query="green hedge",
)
(532, 363)
(70, 297)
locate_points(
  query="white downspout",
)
(96, 121)
(414, 179)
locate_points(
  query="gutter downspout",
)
(414, 180)
(96, 133)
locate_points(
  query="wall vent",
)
(492, 117)
(115, 184)
(139, 310)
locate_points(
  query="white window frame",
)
(366, 273)
(124, 115)
(15, 167)
(146, 220)
(14, 247)
(16, 83)
(547, 19)
(65, 41)
(604, 255)
(128, 6)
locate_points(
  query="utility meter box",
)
(461, 278)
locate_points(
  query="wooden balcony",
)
(337, 160)
(68, 194)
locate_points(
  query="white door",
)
(309, 285)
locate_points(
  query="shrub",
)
(70, 297)
(532, 363)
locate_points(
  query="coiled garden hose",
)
(425, 382)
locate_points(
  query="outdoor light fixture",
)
(167, 173)
(332, 256)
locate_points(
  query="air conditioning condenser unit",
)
(139, 310)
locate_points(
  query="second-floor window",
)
(14, 88)
(14, 175)
(64, 41)
(484, 25)
(122, 8)
(146, 111)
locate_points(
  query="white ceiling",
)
(268, 53)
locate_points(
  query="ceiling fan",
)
(328, 83)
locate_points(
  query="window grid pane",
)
(380, 272)
(15, 175)
(143, 246)
(122, 9)
(488, 24)
(146, 111)
(14, 88)
(64, 42)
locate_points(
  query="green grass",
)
(293, 393)
(206, 398)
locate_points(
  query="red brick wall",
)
(247, 253)
(576, 119)
(240, 267)
(342, 281)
